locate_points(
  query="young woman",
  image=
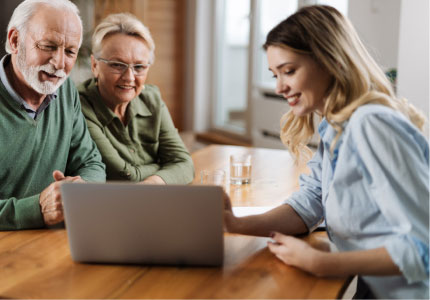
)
(369, 177)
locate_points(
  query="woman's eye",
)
(116, 65)
(139, 67)
(290, 72)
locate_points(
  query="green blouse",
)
(148, 145)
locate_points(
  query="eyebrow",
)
(280, 66)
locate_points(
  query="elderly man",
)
(43, 136)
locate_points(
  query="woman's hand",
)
(153, 179)
(294, 252)
(317, 261)
(229, 218)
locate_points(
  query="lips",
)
(51, 76)
(293, 99)
(125, 87)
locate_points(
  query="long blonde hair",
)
(330, 39)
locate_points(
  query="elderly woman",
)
(127, 119)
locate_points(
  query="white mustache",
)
(50, 69)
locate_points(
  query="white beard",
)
(31, 74)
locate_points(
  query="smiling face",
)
(45, 55)
(300, 80)
(119, 89)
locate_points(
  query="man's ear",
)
(13, 39)
(94, 66)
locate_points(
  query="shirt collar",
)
(3, 77)
(105, 115)
(326, 131)
(328, 134)
(138, 107)
(322, 127)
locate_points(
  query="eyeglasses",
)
(118, 67)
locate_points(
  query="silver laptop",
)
(144, 224)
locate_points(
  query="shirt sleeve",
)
(393, 159)
(176, 165)
(84, 157)
(21, 213)
(307, 201)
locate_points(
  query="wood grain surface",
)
(37, 263)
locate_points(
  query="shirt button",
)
(132, 150)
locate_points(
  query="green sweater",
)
(32, 149)
(148, 145)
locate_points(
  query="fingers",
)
(278, 245)
(227, 202)
(73, 179)
(54, 217)
(290, 250)
(51, 205)
(280, 238)
(58, 175)
(50, 194)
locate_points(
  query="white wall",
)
(413, 64)
(377, 23)
(199, 65)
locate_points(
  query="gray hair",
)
(25, 11)
(125, 23)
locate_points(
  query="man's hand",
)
(50, 202)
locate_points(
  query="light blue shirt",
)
(373, 191)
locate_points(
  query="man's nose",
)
(58, 59)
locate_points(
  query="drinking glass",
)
(216, 177)
(240, 169)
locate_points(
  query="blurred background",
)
(212, 70)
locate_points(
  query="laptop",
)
(128, 223)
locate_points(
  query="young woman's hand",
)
(294, 252)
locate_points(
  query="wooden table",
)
(37, 263)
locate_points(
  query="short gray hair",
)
(26, 9)
(125, 23)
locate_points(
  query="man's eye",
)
(46, 47)
(71, 52)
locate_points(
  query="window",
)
(233, 26)
(239, 63)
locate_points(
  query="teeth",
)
(126, 87)
(292, 98)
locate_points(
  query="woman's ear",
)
(94, 66)
(13, 40)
